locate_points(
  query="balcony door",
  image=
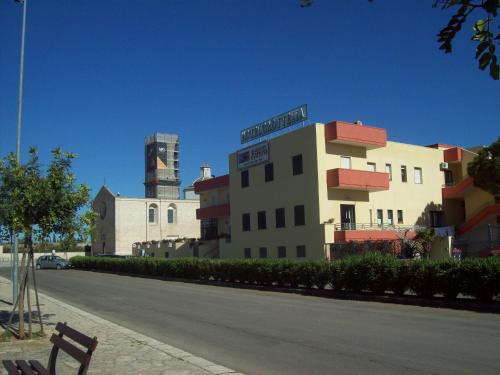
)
(348, 216)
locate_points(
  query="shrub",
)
(481, 277)
(424, 278)
(373, 272)
(449, 278)
(401, 277)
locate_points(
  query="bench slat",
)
(71, 349)
(10, 367)
(25, 367)
(80, 338)
(39, 368)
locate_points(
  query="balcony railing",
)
(351, 179)
(375, 226)
(356, 135)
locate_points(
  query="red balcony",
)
(213, 212)
(211, 184)
(352, 179)
(458, 190)
(356, 135)
(342, 236)
(453, 155)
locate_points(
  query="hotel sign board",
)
(253, 155)
(274, 124)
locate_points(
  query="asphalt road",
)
(272, 333)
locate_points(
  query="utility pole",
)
(15, 258)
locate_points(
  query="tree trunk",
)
(22, 286)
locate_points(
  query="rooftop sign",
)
(253, 155)
(274, 124)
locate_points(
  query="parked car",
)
(52, 261)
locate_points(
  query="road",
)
(272, 333)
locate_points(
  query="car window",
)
(51, 258)
(58, 258)
(43, 258)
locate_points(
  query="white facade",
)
(122, 221)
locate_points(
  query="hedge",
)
(373, 272)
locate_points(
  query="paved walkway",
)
(120, 350)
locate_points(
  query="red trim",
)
(440, 146)
(453, 155)
(479, 217)
(368, 235)
(212, 212)
(357, 180)
(344, 132)
(458, 190)
(212, 183)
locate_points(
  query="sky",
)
(102, 75)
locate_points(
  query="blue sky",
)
(101, 75)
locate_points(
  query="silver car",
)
(52, 261)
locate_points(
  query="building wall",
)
(132, 221)
(415, 200)
(322, 204)
(104, 240)
(127, 222)
(285, 191)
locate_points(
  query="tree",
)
(483, 33)
(36, 206)
(485, 168)
(422, 243)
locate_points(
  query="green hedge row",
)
(373, 272)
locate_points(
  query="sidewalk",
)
(120, 350)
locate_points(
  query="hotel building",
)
(300, 194)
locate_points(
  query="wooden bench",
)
(32, 367)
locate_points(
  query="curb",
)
(465, 304)
(172, 351)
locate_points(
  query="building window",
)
(269, 172)
(448, 177)
(390, 217)
(297, 164)
(263, 252)
(345, 162)
(380, 217)
(261, 220)
(418, 175)
(246, 222)
(281, 252)
(400, 216)
(280, 218)
(245, 181)
(299, 213)
(171, 214)
(372, 167)
(301, 251)
(247, 252)
(403, 174)
(388, 169)
(153, 214)
(437, 218)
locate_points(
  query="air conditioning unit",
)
(443, 166)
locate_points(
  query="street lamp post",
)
(15, 258)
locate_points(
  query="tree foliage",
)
(485, 168)
(38, 205)
(483, 33)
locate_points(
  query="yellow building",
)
(301, 193)
(474, 212)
